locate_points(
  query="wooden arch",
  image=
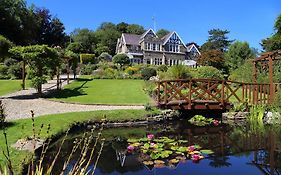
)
(267, 57)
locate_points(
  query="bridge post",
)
(222, 92)
(272, 91)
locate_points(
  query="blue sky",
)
(247, 20)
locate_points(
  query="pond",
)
(237, 149)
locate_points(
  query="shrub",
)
(148, 72)
(121, 59)
(207, 72)
(87, 69)
(10, 61)
(149, 88)
(105, 57)
(179, 72)
(87, 58)
(4, 71)
(243, 73)
(15, 71)
(162, 68)
(131, 70)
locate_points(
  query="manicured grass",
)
(59, 123)
(95, 91)
(9, 86)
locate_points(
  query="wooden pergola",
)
(268, 58)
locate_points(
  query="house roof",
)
(131, 39)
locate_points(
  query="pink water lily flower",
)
(130, 148)
(150, 136)
(191, 148)
(195, 157)
(216, 122)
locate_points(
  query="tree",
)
(17, 22)
(5, 45)
(273, 42)
(135, 29)
(237, 54)
(100, 49)
(107, 35)
(162, 32)
(75, 47)
(40, 59)
(121, 59)
(217, 40)
(50, 30)
(86, 38)
(213, 58)
(122, 27)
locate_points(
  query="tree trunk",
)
(23, 75)
(58, 78)
(68, 71)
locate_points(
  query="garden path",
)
(18, 105)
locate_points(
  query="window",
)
(153, 46)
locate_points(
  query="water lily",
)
(190, 148)
(195, 157)
(150, 136)
(216, 122)
(130, 148)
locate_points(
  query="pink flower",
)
(216, 122)
(150, 136)
(130, 148)
(195, 157)
(191, 148)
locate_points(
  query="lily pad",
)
(159, 162)
(174, 161)
(148, 162)
(206, 151)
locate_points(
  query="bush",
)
(10, 61)
(243, 73)
(88, 58)
(162, 68)
(105, 57)
(148, 72)
(87, 69)
(121, 59)
(131, 70)
(15, 71)
(4, 71)
(207, 72)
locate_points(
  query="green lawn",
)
(9, 86)
(59, 123)
(96, 91)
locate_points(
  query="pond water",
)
(238, 149)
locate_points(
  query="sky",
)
(247, 20)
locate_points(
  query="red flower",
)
(216, 122)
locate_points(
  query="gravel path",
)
(18, 105)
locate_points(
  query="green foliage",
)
(162, 68)
(85, 41)
(105, 57)
(255, 119)
(5, 45)
(87, 58)
(87, 69)
(207, 72)
(162, 32)
(200, 120)
(121, 59)
(178, 72)
(135, 29)
(148, 72)
(243, 73)
(274, 41)
(218, 40)
(75, 47)
(40, 59)
(237, 54)
(50, 29)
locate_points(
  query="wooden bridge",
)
(193, 94)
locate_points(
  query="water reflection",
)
(238, 150)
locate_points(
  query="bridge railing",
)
(209, 90)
